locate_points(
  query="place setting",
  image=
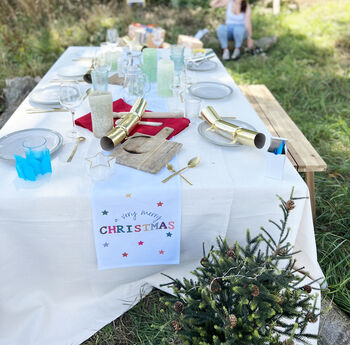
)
(137, 138)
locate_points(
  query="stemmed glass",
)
(157, 36)
(70, 97)
(102, 59)
(112, 36)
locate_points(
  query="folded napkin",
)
(178, 124)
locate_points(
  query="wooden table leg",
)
(310, 181)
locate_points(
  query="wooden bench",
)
(300, 152)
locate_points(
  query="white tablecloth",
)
(51, 292)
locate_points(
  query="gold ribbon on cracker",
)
(228, 130)
(124, 126)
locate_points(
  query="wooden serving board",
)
(146, 152)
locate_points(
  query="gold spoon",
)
(172, 169)
(88, 91)
(78, 141)
(191, 164)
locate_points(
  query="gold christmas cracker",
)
(237, 134)
(124, 126)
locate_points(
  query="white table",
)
(51, 292)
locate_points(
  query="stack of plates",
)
(210, 90)
(202, 66)
(48, 95)
(12, 143)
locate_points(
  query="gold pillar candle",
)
(124, 126)
(238, 134)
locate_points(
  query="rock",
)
(334, 325)
(265, 43)
(15, 92)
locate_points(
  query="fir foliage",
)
(246, 295)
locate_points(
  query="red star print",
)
(159, 204)
(140, 243)
(161, 252)
(125, 255)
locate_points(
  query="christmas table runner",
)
(136, 219)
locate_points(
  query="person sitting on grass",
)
(238, 26)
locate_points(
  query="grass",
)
(308, 72)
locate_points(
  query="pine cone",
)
(176, 325)
(307, 288)
(233, 320)
(179, 307)
(311, 317)
(215, 285)
(230, 253)
(282, 252)
(280, 299)
(290, 205)
(204, 262)
(255, 291)
(286, 342)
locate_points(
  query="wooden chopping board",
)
(146, 152)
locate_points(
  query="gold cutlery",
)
(181, 97)
(154, 114)
(172, 169)
(41, 110)
(88, 91)
(191, 164)
(78, 141)
(83, 59)
(66, 80)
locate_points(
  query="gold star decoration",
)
(100, 160)
(128, 195)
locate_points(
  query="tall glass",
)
(157, 36)
(165, 77)
(102, 58)
(70, 97)
(99, 78)
(150, 59)
(177, 55)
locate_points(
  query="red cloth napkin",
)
(119, 105)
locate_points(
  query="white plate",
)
(48, 95)
(210, 90)
(202, 66)
(218, 139)
(72, 71)
(11, 143)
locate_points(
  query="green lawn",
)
(308, 72)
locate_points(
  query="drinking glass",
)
(102, 58)
(112, 36)
(178, 96)
(177, 55)
(99, 78)
(70, 97)
(34, 146)
(157, 36)
(165, 77)
(192, 108)
(135, 85)
(150, 59)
